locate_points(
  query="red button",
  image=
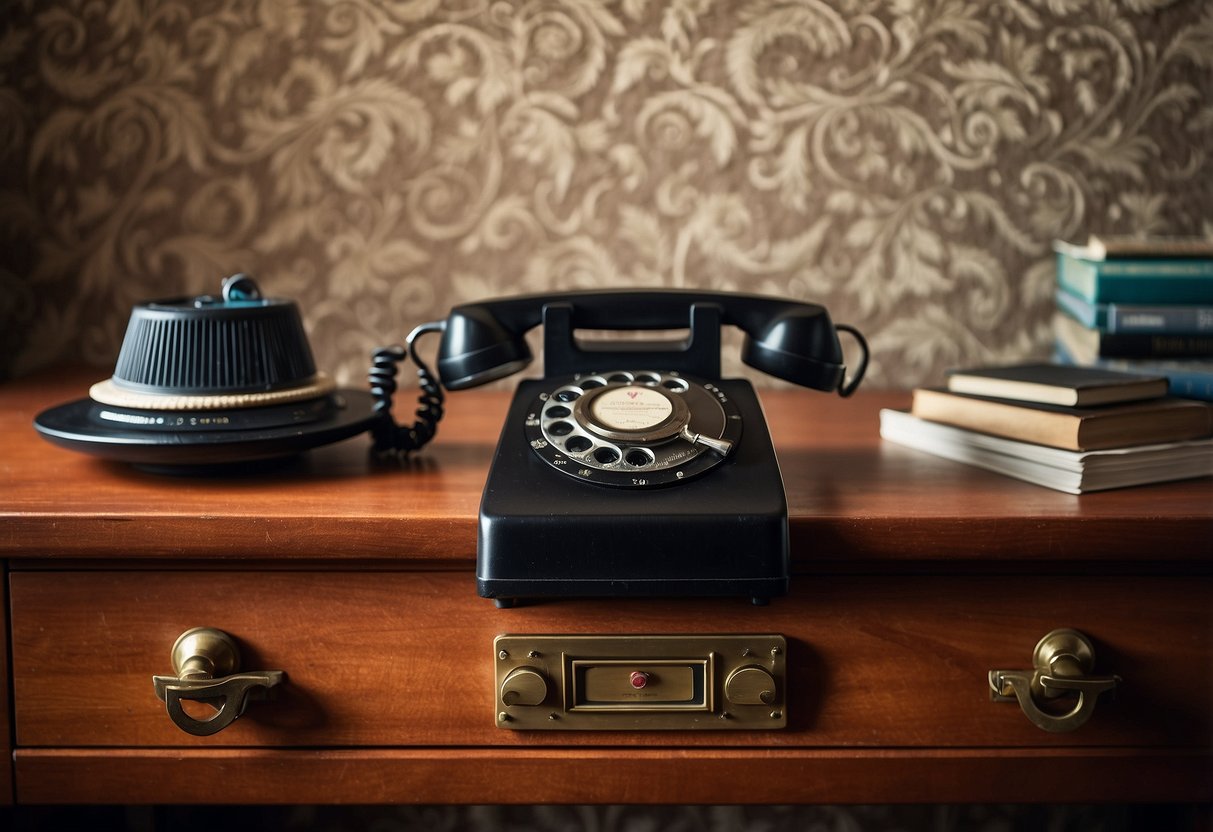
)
(639, 679)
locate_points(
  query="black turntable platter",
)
(209, 382)
(186, 439)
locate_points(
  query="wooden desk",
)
(913, 578)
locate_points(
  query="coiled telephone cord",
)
(388, 436)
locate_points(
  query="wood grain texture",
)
(736, 776)
(405, 659)
(851, 497)
(915, 576)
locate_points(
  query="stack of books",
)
(1075, 429)
(1140, 306)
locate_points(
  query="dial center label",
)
(631, 408)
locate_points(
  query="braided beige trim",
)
(106, 392)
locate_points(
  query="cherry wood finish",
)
(850, 497)
(914, 577)
(405, 659)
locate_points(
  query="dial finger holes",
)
(620, 428)
(606, 455)
(578, 444)
(638, 457)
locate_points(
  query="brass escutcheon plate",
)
(640, 682)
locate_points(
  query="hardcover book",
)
(1087, 345)
(1056, 384)
(1186, 377)
(1151, 319)
(1075, 472)
(1137, 280)
(1070, 428)
(1120, 246)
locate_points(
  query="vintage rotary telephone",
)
(630, 468)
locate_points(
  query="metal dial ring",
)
(679, 429)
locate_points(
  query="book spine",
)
(1154, 267)
(1010, 421)
(1188, 382)
(1137, 281)
(1148, 319)
(1113, 248)
(1122, 345)
(1191, 386)
(1179, 320)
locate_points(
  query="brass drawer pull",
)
(205, 662)
(1063, 659)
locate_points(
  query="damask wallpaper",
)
(906, 163)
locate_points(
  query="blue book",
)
(1186, 378)
(1137, 280)
(1146, 319)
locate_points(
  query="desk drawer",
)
(405, 659)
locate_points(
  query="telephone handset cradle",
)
(677, 488)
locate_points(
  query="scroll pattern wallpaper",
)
(905, 163)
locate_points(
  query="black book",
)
(1061, 384)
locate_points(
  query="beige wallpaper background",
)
(905, 163)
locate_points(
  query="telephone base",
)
(584, 590)
(544, 534)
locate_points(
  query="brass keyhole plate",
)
(640, 682)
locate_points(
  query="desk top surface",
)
(851, 497)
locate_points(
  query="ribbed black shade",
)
(205, 346)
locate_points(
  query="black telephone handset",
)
(648, 418)
(483, 342)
